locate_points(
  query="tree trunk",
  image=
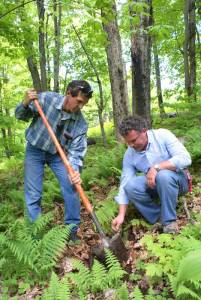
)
(141, 62)
(57, 31)
(116, 68)
(48, 53)
(34, 73)
(158, 80)
(189, 49)
(41, 38)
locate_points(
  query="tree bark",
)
(141, 62)
(48, 53)
(190, 49)
(158, 80)
(41, 39)
(57, 42)
(116, 68)
(34, 73)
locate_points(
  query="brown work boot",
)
(171, 228)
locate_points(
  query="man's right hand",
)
(30, 95)
(117, 222)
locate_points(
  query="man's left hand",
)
(75, 178)
(151, 177)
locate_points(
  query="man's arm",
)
(180, 157)
(127, 173)
(25, 110)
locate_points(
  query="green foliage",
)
(30, 250)
(177, 259)
(57, 290)
(99, 278)
(137, 294)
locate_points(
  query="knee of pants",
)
(164, 178)
(133, 186)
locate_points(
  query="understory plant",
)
(176, 260)
(29, 251)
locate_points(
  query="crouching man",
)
(163, 160)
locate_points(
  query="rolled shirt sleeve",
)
(76, 151)
(179, 156)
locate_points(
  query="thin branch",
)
(16, 7)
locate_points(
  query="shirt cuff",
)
(121, 198)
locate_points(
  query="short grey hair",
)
(132, 123)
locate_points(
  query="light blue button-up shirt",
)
(162, 145)
(64, 125)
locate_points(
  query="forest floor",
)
(136, 251)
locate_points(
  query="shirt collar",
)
(65, 116)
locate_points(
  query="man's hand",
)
(151, 177)
(30, 95)
(75, 178)
(117, 222)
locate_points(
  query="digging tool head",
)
(115, 244)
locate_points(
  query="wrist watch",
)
(157, 167)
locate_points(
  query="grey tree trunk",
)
(190, 49)
(57, 42)
(41, 38)
(100, 104)
(141, 62)
(158, 80)
(116, 68)
(34, 73)
(48, 53)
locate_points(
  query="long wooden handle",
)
(62, 154)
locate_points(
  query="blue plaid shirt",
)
(70, 128)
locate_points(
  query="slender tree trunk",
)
(57, 37)
(34, 73)
(116, 68)
(141, 62)
(189, 49)
(101, 102)
(48, 53)
(158, 80)
(41, 38)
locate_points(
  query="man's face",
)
(74, 104)
(137, 140)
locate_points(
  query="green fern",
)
(98, 277)
(82, 278)
(115, 273)
(122, 293)
(57, 290)
(137, 294)
(106, 213)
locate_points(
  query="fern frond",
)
(57, 290)
(41, 223)
(115, 272)
(122, 293)
(52, 244)
(82, 279)
(98, 276)
(183, 290)
(190, 266)
(137, 294)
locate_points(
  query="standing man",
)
(65, 118)
(163, 160)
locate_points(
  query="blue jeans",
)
(169, 185)
(35, 161)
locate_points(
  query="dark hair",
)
(132, 123)
(76, 86)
